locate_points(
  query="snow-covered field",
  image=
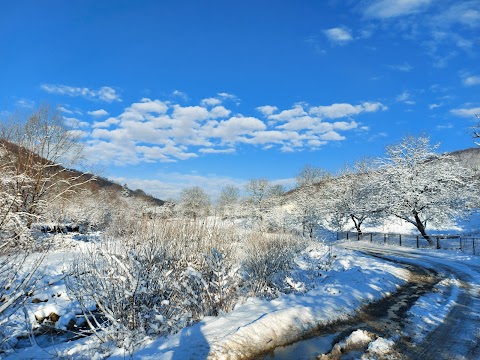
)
(339, 281)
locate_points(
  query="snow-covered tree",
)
(354, 196)
(261, 199)
(194, 202)
(421, 186)
(309, 199)
(228, 202)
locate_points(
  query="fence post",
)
(400, 239)
(371, 237)
(384, 238)
(460, 240)
(347, 235)
(418, 245)
(438, 243)
(358, 236)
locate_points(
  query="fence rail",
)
(466, 244)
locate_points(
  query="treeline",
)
(412, 182)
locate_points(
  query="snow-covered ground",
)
(340, 281)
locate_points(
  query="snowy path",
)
(440, 327)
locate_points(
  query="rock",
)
(72, 324)
(53, 317)
(39, 300)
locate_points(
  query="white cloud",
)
(106, 123)
(211, 101)
(217, 151)
(332, 136)
(267, 110)
(406, 98)
(152, 130)
(74, 123)
(229, 129)
(180, 94)
(384, 9)
(286, 115)
(343, 125)
(471, 80)
(219, 112)
(64, 110)
(338, 35)
(105, 93)
(316, 143)
(336, 111)
(466, 13)
(472, 112)
(99, 112)
(374, 106)
(434, 106)
(230, 97)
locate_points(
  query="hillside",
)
(468, 158)
(98, 183)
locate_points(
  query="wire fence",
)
(466, 244)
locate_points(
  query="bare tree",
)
(40, 151)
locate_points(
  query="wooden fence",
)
(466, 244)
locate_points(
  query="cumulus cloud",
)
(211, 101)
(105, 93)
(152, 130)
(336, 111)
(338, 35)
(286, 115)
(384, 9)
(267, 110)
(98, 113)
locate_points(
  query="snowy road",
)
(451, 323)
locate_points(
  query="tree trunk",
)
(356, 224)
(419, 225)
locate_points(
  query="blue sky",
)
(169, 94)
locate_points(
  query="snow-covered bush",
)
(17, 279)
(168, 274)
(266, 260)
(164, 277)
